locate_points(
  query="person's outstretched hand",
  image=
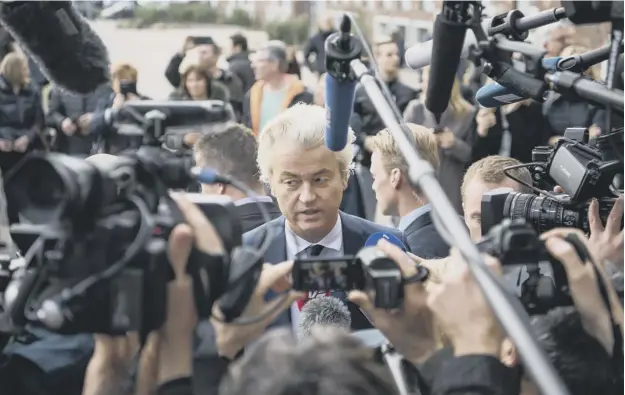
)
(231, 338)
(411, 328)
(463, 312)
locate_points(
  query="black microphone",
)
(449, 33)
(60, 40)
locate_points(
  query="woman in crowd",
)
(21, 114)
(196, 84)
(455, 138)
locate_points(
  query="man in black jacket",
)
(171, 72)
(316, 45)
(232, 152)
(365, 120)
(239, 61)
(395, 195)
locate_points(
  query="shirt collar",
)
(409, 218)
(252, 199)
(333, 240)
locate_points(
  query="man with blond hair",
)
(484, 176)
(308, 180)
(395, 195)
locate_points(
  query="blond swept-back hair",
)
(490, 170)
(420, 136)
(12, 68)
(302, 126)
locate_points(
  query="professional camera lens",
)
(542, 212)
(51, 187)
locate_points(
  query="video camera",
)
(370, 271)
(582, 170)
(94, 234)
(517, 246)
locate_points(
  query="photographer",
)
(124, 81)
(232, 152)
(486, 175)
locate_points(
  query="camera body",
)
(100, 229)
(583, 171)
(517, 246)
(370, 271)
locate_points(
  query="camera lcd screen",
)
(322, 274)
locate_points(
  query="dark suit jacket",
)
(356, 231)
(251, 217)
(423, 238)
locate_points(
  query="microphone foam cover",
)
(61, 41)
(446, 51)
(339, 97)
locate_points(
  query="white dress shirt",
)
(296, 248)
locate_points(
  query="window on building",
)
(428, 5)
(388, 4)
(406, 5)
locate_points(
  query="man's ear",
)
(221, 188)
(508, 354)
(396, 178)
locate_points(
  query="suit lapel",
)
(277, 250)
(353, 239)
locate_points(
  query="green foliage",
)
(192, 12)
(196, 12)
(240, 17)
(292, 32)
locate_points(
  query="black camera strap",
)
(585, 256)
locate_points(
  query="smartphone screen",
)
(323, 274)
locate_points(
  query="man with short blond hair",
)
(396, 196)
(483, 176)
(308, 181)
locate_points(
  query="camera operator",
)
(124, 81)
(396, 196)
(468, 322)
(166, 358)
(483, 176)
(232, 153)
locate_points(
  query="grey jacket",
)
(454, 160)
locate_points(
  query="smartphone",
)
(329, 274)
(127, 87)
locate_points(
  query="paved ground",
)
(150, 50)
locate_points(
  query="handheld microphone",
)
(340, 88)
(59, 39)
(449, 35)
(323, 311)
(373, 240)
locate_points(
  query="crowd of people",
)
(326, 204)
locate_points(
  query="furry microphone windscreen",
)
(323, 311)
(60, 40)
